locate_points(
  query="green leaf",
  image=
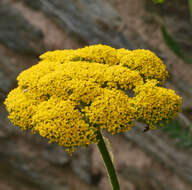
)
(174, 46)
(158, 1)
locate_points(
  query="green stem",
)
(108, 162)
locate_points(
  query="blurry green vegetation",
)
(181, 134)
(174, 46)
(189, 2)
(190, 6)
(171, 41)
(158, 1)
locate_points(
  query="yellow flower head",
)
(71, 94)
(155, 104)
(146, 62)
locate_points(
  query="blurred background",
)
(157, 160)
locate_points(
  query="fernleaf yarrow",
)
(70, 95)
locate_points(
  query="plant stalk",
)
(108, 162)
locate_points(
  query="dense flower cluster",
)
(71, 94)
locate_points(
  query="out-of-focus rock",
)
(17, 33)
(15, 167)
(81, 164)
(56, 155)
(26, 161)
(157, 144)
(8, 74)
(35, 4)
(91, 22)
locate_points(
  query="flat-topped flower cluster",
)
(71, 94)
